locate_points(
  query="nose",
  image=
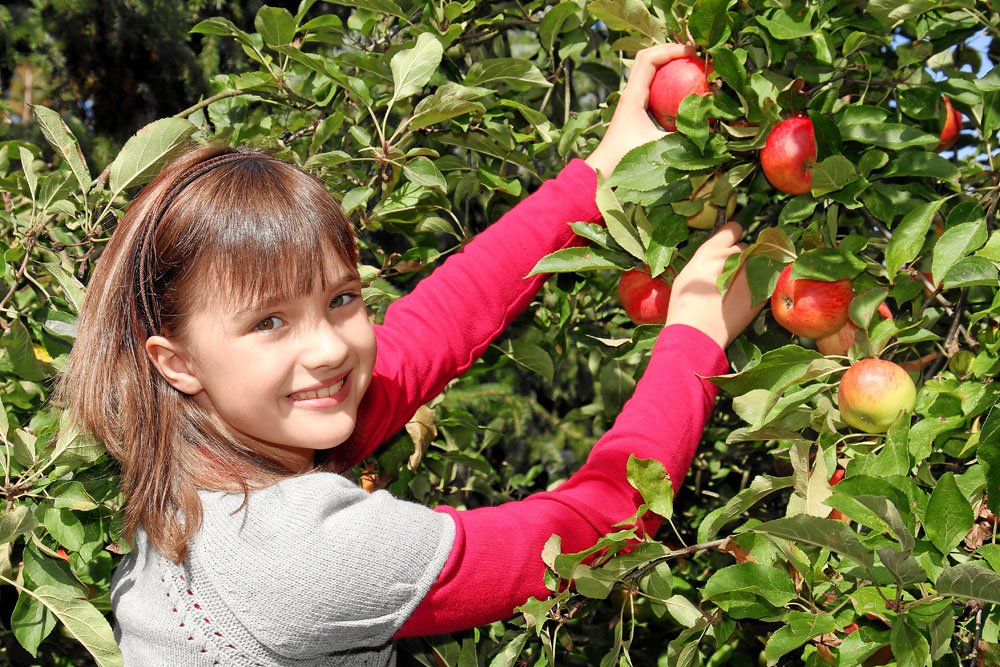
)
(325, 345)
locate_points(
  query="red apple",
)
(841, 340)
(789, 154)
(952, 125)
(644, 298)
(672, 83)
(705, 218)
(811, 308)
(873, 393)
(836, 514)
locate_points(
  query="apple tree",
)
(823, 522)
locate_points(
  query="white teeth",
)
(319, 393)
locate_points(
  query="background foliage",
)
(430, 119)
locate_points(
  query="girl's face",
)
(290, 375)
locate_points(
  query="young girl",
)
(226, 359)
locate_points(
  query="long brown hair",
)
(217, 222)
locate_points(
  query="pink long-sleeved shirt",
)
(436, 332)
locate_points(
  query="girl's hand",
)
(695, 299)
(631, 125)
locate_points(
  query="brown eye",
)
(267, 324)
(342, 300)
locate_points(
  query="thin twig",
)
(977, 637)
(686, 551)
(29, 245)
(208, 100)
(949, 341)
(991, 213)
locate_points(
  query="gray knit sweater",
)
(313, 572)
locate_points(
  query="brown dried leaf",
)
(736, 551)
(422, 431)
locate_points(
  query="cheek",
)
(363, 339)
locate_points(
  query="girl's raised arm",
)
(495, 563)
(436, 332)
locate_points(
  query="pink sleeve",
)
(495, 563)
(433, 334)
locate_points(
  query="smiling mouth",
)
(325, 392)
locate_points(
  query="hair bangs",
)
(265, 232)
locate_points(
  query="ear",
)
(169, 359)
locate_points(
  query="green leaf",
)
(578, 259)
(448, 101)
(865, 305)
(761, 487)
(908, 237)
(991, 250)
(989, 454)
(776, 368)
(909, 646)
(799, 628)
(729, 68)
(893, 12)
(784, 26)
(954, 244)
(638, 170)
(28, 169)
(58, 135)
(63, 525)
(220, 26)
(631, 16)
(971, 271)
(762, 274)
(650, 478)
(949, 516)
(72, 288)
(990, 82)
(71, 494)
(31, 622)
(970, 581)
(389, 7)
(619, 226)
(888, 135)
(593, 583)
(514, 72)
(768, 583)
(554, 22)
(692, 119)
(147, 151)
(41, 570)
(507, 657)
(921, 164)
(797, 209)
(903, 566)
(276, 25)
(17, 343)
(827, 264)
(84, 622)
(832, 174)
(825, 533)
(709, 22)
(422, 171)
(530, 356)
(14, 522)
(658, 583)
(412, 68)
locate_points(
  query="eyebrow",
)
(268, 304)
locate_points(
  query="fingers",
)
(727, 235)
(647, 61)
